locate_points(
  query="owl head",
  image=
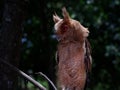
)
(67, 28)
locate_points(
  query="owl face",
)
(68, 28)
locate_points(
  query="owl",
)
(73, 52)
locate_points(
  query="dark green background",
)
(102, 17)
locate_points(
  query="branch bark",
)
(24, 75)
(47, 80)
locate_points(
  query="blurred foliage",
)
(102, 17)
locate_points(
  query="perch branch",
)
(47, 80)
(34, 82)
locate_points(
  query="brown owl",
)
(73, 52)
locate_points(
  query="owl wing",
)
(57, 57)
(88, 58)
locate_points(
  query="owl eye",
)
(64, 28)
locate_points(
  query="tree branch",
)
(23, 74)
(47, 80)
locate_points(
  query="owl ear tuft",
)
(56, 18)
(65, 14)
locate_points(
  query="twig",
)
(47, 80)
(23, 75)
